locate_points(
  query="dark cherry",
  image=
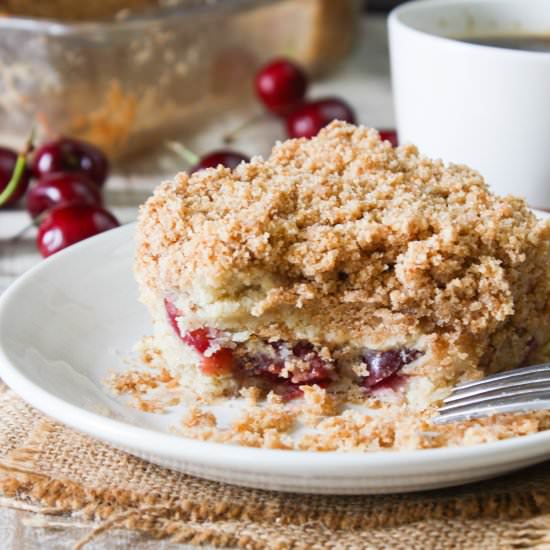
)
(8, 159)
(68, 224)
(308, 119)
(71, 155)
(261, 364)
(318, 368)
(303, 349)
(383, 365)
(389, 135)
(59, 188)
(290, 391)
(281, 86)
(270, 368)
(225, 157)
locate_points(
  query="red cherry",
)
(198, 339)
(221, 362)
(71, 155)
(281, 86)
(68, 224)
(59, 188)
(225, 157)
(389, 135)
(8, 158)
(308, 119)
(385, 364)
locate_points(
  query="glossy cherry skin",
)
(68, 224)
(71, 155)
(221, 362)
(225, 157)
(59, 188)
(281, 86)
(383, 365)
(8, 158)
(308, 119)
(389, 135)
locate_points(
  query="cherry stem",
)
(180, 149)
(18, 170)
(35, 222)
(230, 136)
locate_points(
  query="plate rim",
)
(236, 458)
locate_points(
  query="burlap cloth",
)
(53, 470)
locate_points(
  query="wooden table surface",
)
(363, 80)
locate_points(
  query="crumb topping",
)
(351, 232)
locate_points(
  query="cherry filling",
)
(269, 366)
(319, 371)
(220, 362)
(384, 367)
(265, 366)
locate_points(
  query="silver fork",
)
(519, 390)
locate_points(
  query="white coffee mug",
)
(484, 106)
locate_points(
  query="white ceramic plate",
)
(66, 323)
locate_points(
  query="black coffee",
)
(527, 42)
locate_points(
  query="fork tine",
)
(542, 368)
(519, 382)
(518, 403)
(503, 394)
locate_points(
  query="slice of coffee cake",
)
(345, 263)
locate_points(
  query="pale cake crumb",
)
(149, 405)
(359, 432)
(149, 353)
(260, 419)
(252, 394)
(196, 417)
(274, 399)
(256, 427)
(135, 382)
(318, 402)
(152, 390)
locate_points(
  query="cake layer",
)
(218, 362)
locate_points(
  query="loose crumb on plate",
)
(151, 390)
